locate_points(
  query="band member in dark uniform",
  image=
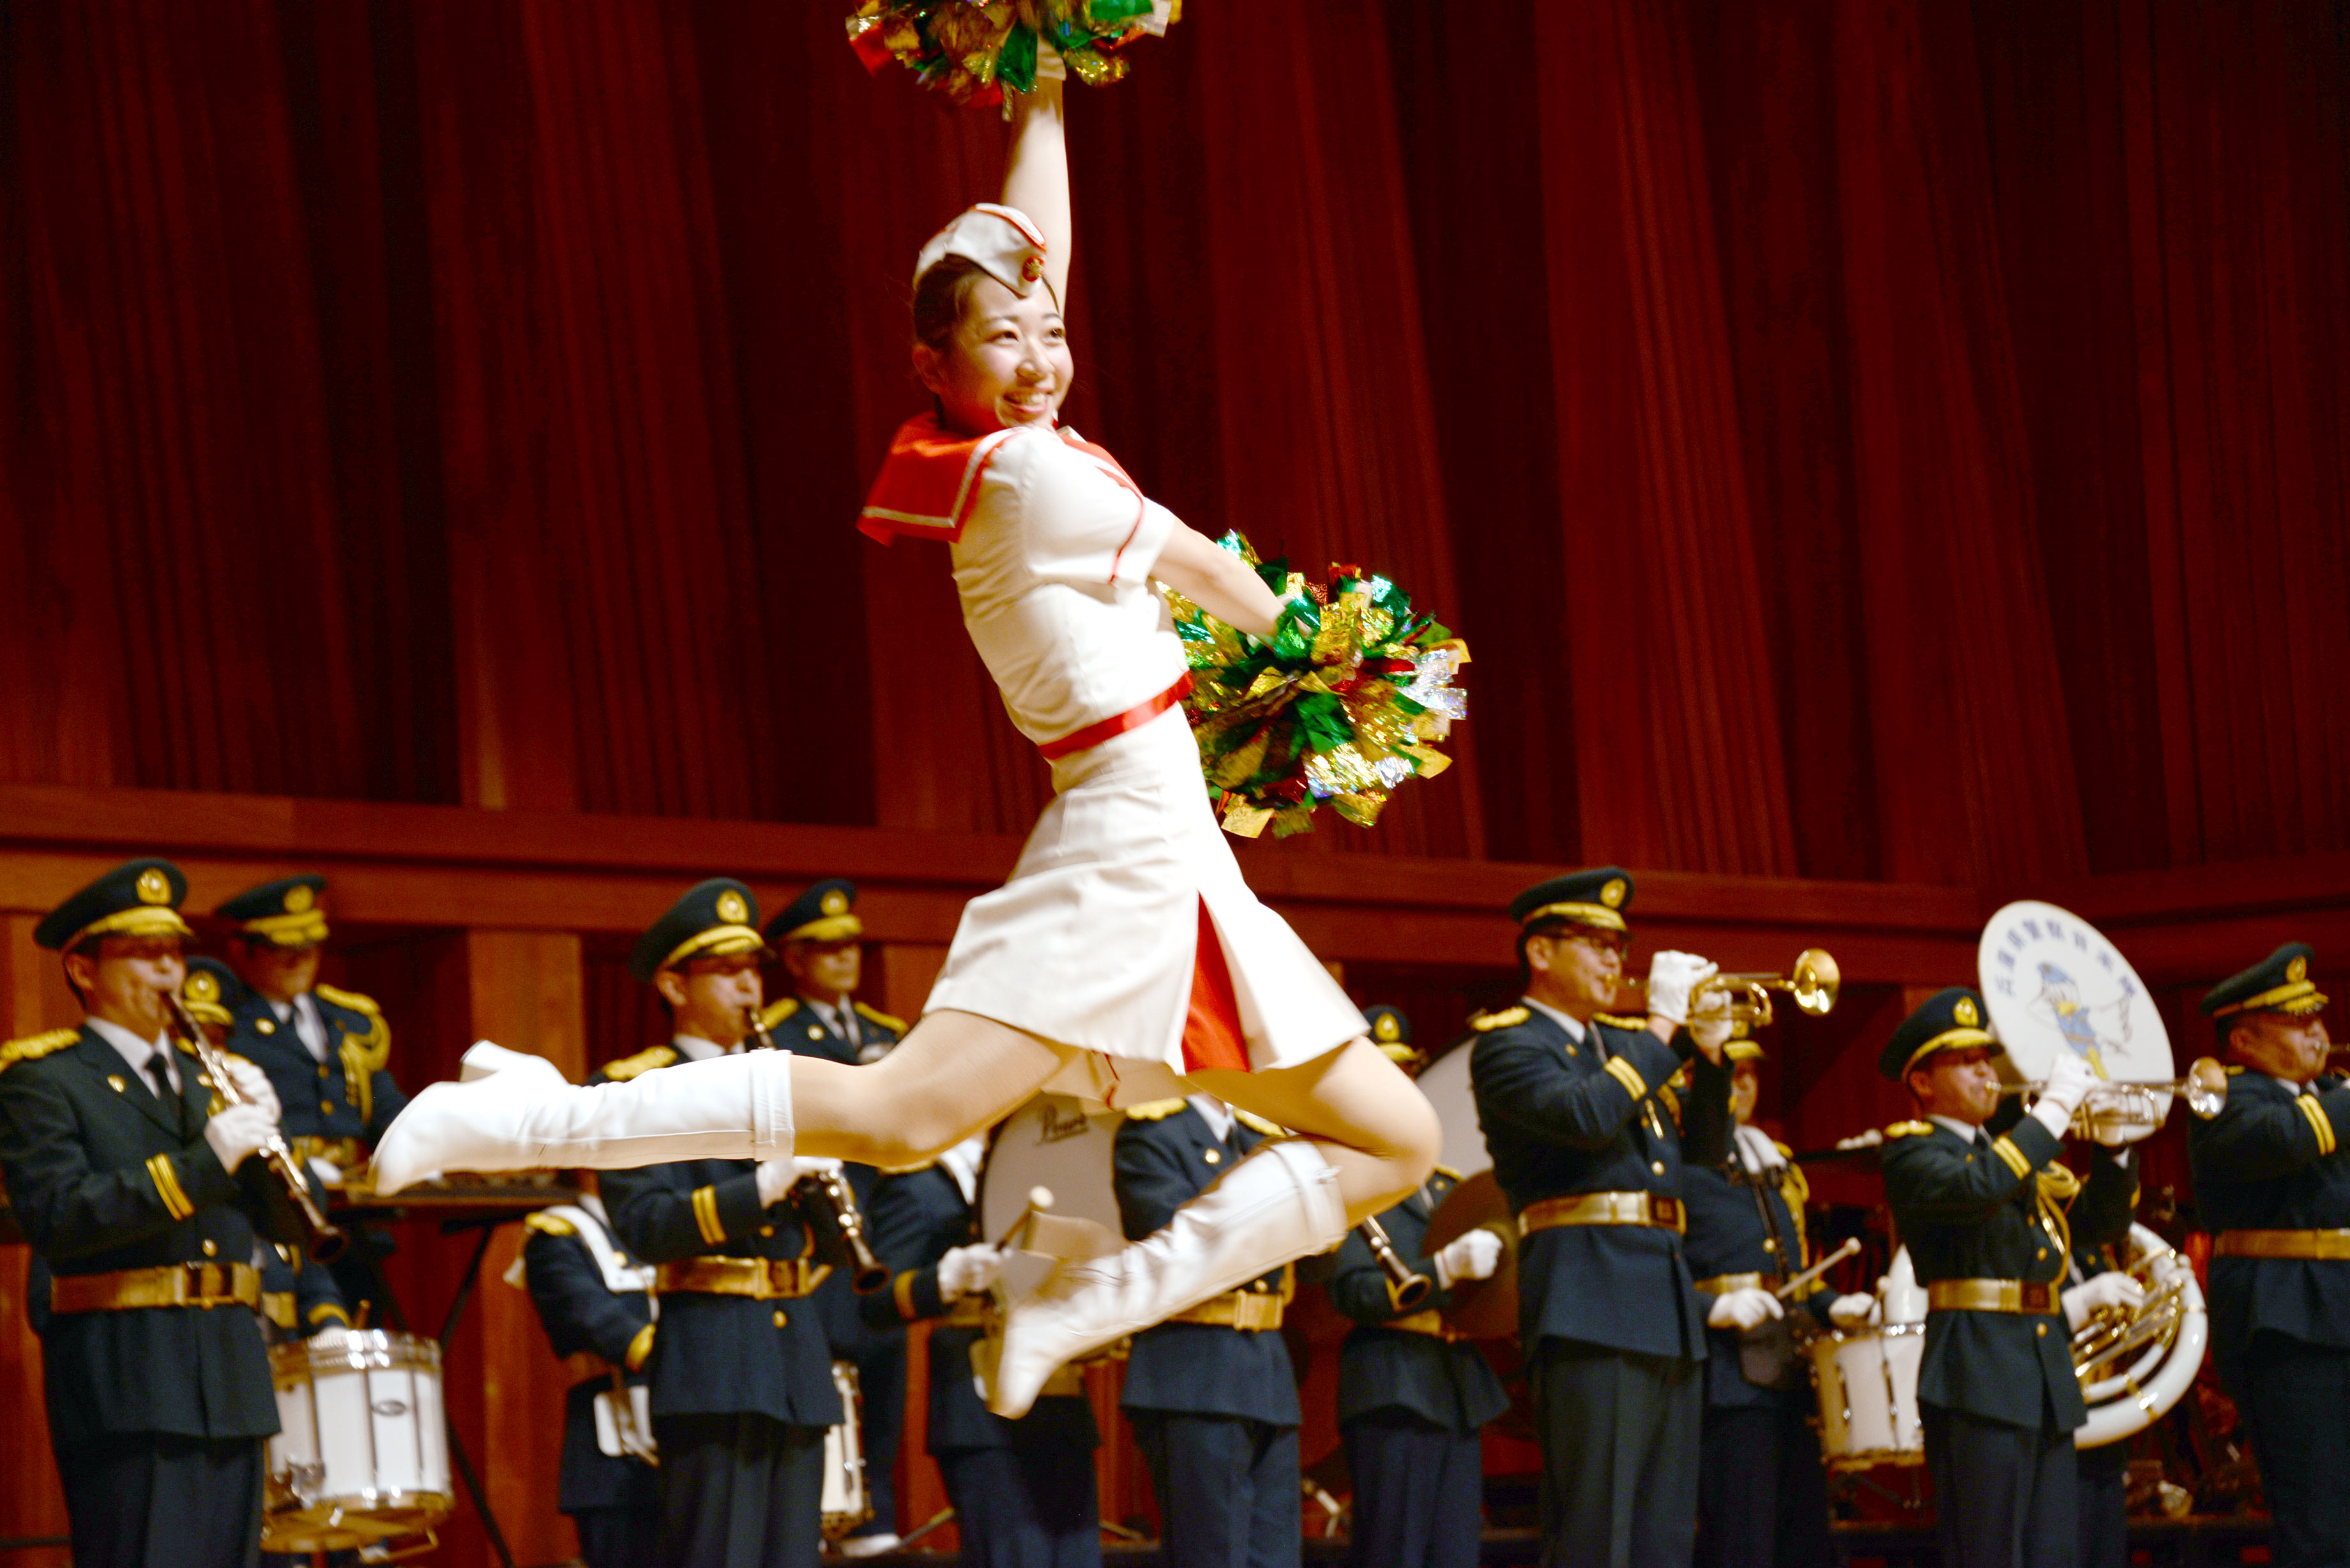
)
(820, 941)
(140, 1201)
(1990, 1224)
(1209, 1391)
(1413, 1398)
(595, 1303)
(1763, 1486)
(741, 1371)
(2104, 1470)
(1022, 1490)
(2273, 1179)
(1588, 1142)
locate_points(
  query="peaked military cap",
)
(137, 899)
(1950, 1020)
(1586, 897)
(714, 919)
(2278, 983)
(1391, 1032)
(825, 913)
(212, 991)
(286, 912)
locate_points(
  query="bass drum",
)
(846, 1503)
(1051, 1142)
(362, 1458)
(1480, 1309)
(2055, 987)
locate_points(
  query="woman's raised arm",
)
(1036, 178)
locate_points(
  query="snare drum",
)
(1868, 1382)
(363, 1457)
(846, 1503)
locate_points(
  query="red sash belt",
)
(1116, 724)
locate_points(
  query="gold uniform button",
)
(116, 1080)
(203, 1080)
(781, 1320)
(1657, 1166)
(326, 1108)
(766, 1230)
(212, 1249)
(2041, 1330)
(266, 1026)
(1211, 1157)
(1770, 1243)
(2041, 1253)
(322, 1069)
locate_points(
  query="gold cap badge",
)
(201, 986)
(1385, 1029)
(298, 898)
(154, 887)
(732, 909)
(1613, 894)
(1965, 1013)
(2298, 969)
(836, 902)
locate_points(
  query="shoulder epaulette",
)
(1154, 1110)
(1620, 1020)
(1258, 1124)
(1782, 1148)
(1908, 1129)
(32, 1047)
(350, 999)
(875, 1015)
(628, 1067)
(1508, 1017)
(548, 1225)
(773, 1015)
(1447, 1172)
(2235, 1068)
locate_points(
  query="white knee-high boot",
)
(1281, 1203)
(516, 1112)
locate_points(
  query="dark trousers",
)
(2295, 1397)
(881, 1422)
(1619, 1433)
(1763, 1488)
(740, 1491)
(1227, 1490)
(2104, 1505)
(618, 1537)
(2004, 1495)
(146, 1500)
(1031, 1505)
(1419, 1491)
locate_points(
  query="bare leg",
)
(954, 1073)
(1370, 1123)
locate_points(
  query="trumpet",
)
(2113, 1103)
(1811, 982)
(867, 1273)
(320, 1239)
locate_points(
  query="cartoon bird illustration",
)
(2060, 1003)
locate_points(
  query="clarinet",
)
(867, 1274)
(320, 1239)
(1406, 1290)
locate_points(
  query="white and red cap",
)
(1001, 242)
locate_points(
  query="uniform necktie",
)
(159, 1073)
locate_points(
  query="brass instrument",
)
(2112, 1103)
(2135, 1362)
(867, 1274)
(320, 1239)
(1811, 982)
(1406, 1289)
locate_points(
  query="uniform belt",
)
(761, 1279)
(2324, 1244)
(1429, 1322)
(1253, 1310)
(278, 1306)
(1722, 1285)
(342, 1153)
(2029, 1296)
(171, 1285)
(1603, 1209)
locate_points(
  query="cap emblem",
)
(1965, 1013)
(154, 887)
(1384, 1030)
(1612, 895)
(834, 902)
(203, 986)
(2297, 970)
(732, 909)
(1031, 268)
(298, 898)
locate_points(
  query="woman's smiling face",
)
(1007, 364)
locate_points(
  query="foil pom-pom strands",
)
(1343, 703)
(971, 50)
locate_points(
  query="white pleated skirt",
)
(1092, 943)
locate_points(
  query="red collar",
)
(930, 482)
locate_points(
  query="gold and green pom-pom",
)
(1345, 702)
(971, 50)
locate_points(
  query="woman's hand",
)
(1217, 581)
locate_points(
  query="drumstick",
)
(1851, 1245)
(1039, 1199)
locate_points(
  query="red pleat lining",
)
(1211, 1029)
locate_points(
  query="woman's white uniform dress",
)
(1126, 929)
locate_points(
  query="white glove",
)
(2109, 1289)
(2068, 1085)
(254, 1085)
(1711, 1023)
(1743, 1309)
(1671, 977)
(778, 1177)
(238, 1131)
(1853, 1311)
(326, 1172)
(1472, 1255)
(965, 1269)
(2170, 1269)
